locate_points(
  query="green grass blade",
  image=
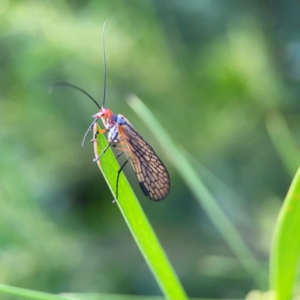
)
(126, 297)
(139, 224)
(112, 297)
(286, 243)
(22, 293)
(202, 194)
(28, 294)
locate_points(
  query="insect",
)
(150, 171)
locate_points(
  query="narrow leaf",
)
(126, 297)
(29, 294)
(202, 194)
(138, 223)
(286, 243)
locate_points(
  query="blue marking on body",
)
(120, 120)
(115, 118)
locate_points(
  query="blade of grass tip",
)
(28, 294)
(285, 248)
(202, 194)
(283, 141)
(138, 223)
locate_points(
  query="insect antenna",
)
(74, 87)
(104, 65)
(104, 84)
(84, 92)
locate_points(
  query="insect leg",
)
(103, 151)
(89, 129)
(122, 150)
(117, 183)
(104, 122)
(96, 133)
(119, 154)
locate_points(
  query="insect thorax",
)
(113, 134)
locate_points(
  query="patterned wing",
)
(151, 173)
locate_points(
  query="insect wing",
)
(151, 173)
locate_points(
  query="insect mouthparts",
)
(98, 115)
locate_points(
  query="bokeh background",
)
(223, 79)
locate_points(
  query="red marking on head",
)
(104, 113)
(108, 114)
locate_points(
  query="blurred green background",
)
(223, 79)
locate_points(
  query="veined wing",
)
(151, 173)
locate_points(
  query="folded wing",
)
(150, 171)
